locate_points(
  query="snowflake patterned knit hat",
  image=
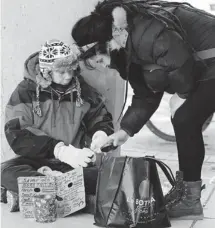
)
(56, 55)
(55, 49)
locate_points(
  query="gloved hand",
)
(73, 156)
(98, 139)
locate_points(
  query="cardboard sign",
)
(68, 189)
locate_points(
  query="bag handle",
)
(165, 168)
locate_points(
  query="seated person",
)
(51, 119)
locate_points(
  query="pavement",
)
(144, 143)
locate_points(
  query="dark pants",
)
(188, 122)
(24, 167)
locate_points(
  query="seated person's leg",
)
(18, 167)
(10, 171)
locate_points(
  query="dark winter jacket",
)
(33, 136)
(200, 29)
(150, 42)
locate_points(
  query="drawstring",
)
(79, 100)
(53, 117)
(72, 105)
(52, 94)
(37, 109)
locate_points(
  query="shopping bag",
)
(129, 193)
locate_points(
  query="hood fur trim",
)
(113, 45)
(119, 17)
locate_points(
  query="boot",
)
(175, 194)
(13, 201)
(189, 206)
(3, 195)
(11, 198)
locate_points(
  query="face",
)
(102, 59)
(62, 77)
(102, 56)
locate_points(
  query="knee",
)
(5, 172)
(5, 167)
(182, 121)
(10, 171)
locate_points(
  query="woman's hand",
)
(117, 139)
(175, 103)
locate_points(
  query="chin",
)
(113, 46)
(65, 83)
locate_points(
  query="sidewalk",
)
(145, 143)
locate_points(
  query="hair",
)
(92, 28)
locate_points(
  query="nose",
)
(99, 60)
(103, 62)
(67, 76)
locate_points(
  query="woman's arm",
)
(144, 102)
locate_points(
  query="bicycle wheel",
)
(160, 123)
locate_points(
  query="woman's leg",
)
(188, 122)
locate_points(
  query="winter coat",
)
(151, 42)
(200, 30)
(33, 136)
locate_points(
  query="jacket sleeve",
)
(172, 53)
(144, 103)
(98, 117)
(22, 135)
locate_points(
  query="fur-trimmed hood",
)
(119, 32)
(31, 67)
(32, 72)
